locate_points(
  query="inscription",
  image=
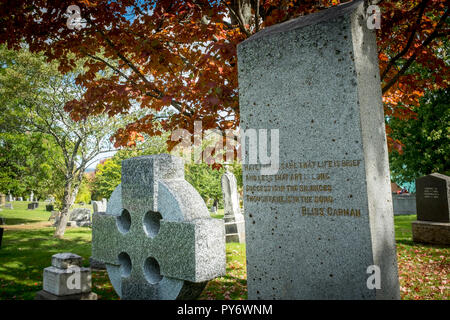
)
(431, 193)
(299, 185)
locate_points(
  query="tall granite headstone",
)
(157, 238)
(233, 218)
(433, 209)
(320, 226)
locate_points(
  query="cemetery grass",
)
(423, 269)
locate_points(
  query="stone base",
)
(44, 295)
(431, 232)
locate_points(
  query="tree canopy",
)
(425, 139)
(32, 98)
(180, 55)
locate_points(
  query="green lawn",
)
(423, 269)
(20, 214)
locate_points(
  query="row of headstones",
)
(78, 217)
(10, 198)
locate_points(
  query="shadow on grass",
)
(25, 253)
(15, 221)
(421, 245)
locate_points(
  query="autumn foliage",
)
(177, 59)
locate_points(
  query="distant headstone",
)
(20, 199)
(32, 196)
(157, 238)
(9, 198)
(433, 209)
(66, 279)
(99, 206)
(233, 218)
(404, 204)
(54, 216)
(80, 217)
(319, 221)
(33, 205)
(8, 206)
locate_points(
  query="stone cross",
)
(233, 218)
(157, 238)
(322, 226)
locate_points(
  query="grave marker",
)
(157, 238)
(316, 227)
(433, 209)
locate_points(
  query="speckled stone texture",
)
(156, 237)
(314, 228)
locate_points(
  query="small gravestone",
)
(8, 206)
(33, 205)
(318, 217)
(433, 209)
(55, 215)
(9, 198)
(80, 217)
(233, 218)
(66, 279)
(19, 199)
(99, 206)
(32, 196)
(157, 238)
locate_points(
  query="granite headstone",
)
(322, 224)
(433, 209)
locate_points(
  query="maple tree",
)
(177, 58)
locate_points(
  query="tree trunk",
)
(70, 193)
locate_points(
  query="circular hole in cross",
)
(151, 271)
(125, 264)
(124, 221)
(152, 223)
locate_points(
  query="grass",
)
(20, 214)
(423, 269)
